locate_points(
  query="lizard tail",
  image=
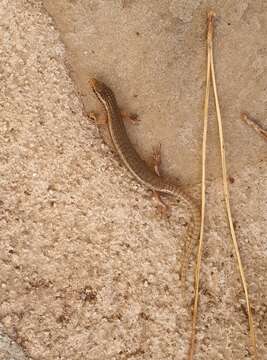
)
(192, 237)
(193, 230)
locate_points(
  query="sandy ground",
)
(88, 271)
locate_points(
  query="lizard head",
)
(99, 88)
(102, 92)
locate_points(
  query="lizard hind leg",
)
(100, 120)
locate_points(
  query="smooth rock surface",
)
(88, 271)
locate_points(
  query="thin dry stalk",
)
(203, 191)
(227, 203)
(252, 123)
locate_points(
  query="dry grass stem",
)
(211, 75)
(253, 124)
(229, 215)
(203, 188)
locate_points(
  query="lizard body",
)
(137, 166)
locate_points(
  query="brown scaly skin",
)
(138, 167)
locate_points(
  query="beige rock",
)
(87, 269)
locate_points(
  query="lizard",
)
(139, 168)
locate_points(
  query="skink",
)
(138, 167)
